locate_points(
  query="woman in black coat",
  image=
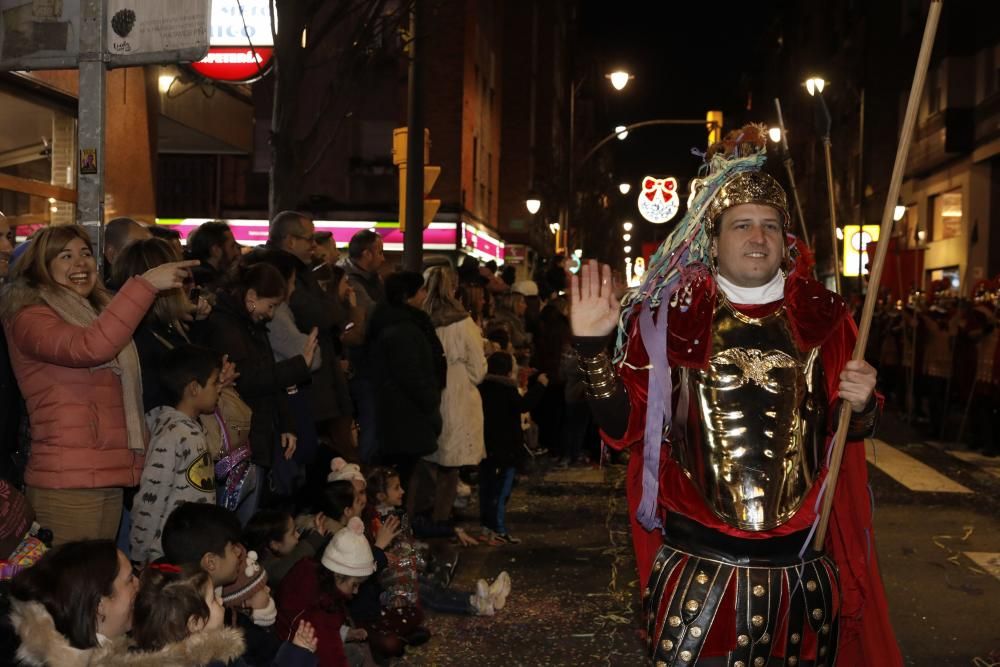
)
(408, 369)
(238, 327)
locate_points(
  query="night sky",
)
(684, 63)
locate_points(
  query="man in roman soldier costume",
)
(729, 370)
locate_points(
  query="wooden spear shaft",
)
(906, 135)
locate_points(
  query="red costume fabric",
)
(818, 318)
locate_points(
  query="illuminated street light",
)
(815, 85)
(898, 213)
(533, 203)
(627, 226)
(627, 249)
(626, 237)
(775, 134)
(619, 79)
(624, 188)
(621, 131)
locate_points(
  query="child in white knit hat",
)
(318, 592)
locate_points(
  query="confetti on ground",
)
(574, 598)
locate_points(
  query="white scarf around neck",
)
(772, 291)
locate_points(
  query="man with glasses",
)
(311, 306)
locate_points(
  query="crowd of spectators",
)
(221, 455)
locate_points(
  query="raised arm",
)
(594, 315)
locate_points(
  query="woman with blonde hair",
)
(461, 442)
(72, 353)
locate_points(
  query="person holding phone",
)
(72, 352)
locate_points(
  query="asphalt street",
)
(574, 601)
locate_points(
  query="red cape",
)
(818, 318)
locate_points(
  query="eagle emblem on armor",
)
(755, 366)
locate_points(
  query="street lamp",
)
(627, 249)
(533, 203)
(626, 237)
(622, 132)
(624, 188)
(619, 79)
(774, 134)
(814, 86)
(627, 226)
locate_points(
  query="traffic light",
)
(431, 173)
(713, 121)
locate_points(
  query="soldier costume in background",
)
(728, 411)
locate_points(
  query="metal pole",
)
(830, 196)
(570, 171)
(90, 124)
(413, 235)
(791, 174)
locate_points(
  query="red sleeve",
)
(39, 332)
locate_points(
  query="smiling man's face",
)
(750, 244)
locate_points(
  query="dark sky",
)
(684, 63)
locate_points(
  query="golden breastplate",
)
(756, 420)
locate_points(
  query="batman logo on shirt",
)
(201, 473)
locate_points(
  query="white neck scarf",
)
(773, 291)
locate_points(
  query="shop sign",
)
(439, 236)
(481, 245)
(241, 43)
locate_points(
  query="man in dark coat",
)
(364, 258)
(214, 245)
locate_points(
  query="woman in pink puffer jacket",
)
(72, 353)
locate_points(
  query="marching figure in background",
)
(730, 368)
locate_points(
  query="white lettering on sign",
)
(230, 27)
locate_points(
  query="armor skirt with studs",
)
(782, 605)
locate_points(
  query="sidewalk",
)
(574, 598)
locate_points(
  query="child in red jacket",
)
(318, 592)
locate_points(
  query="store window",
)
(37, 162)
(947, 215)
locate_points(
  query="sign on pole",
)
(92, 36)
(143, 32)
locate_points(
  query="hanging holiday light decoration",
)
(658, 200)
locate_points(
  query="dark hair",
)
(323, 236)
(264, 527)
(286, 263)
(206, 237)
(165, 233)
(402, 285)
(116, 231)
(361, 241)
(499, 336)
(377, 482)
(499, 363)
(70, 581)
(195, 529)
(335, 498)
(285, 223)
(165, 602)
(183, 365)
(262, 277)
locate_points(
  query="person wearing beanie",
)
(251, 608)
(340, 469)
(317, 591)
